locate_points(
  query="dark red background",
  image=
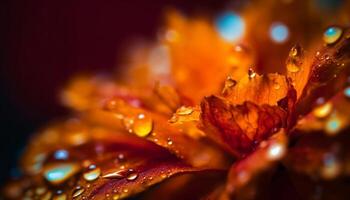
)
(46, 42)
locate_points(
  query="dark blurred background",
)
(44, 43)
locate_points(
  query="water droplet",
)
(323, 110)
(183, 110)
(251, 73)
(132, 176)
(332, 35)
(92, 174)
(117, 174)
(58, 173)
(78, 191)
(169, 141)
(294, 60)
(275, 151)
(142, 126)
(61, 154)
(229, 84)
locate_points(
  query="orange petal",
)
(239, 128)
(325, 76)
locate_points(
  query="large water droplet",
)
(92, 174)
(78, 191)
(58, 173)
(132, 176)
(142, 126)
(183, 110)
(332, 35)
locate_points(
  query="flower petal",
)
(246, 176)
(327, 73)
(118, 166)
(239, 128)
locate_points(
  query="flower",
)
(192, 104)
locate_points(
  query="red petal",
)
(124, 165)
(247, 176)
(239, 128)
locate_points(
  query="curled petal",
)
(239, 128)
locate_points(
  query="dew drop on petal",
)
(275, 151)
(294, 60)
(58, 173)
(229, 84)
(132, 176)
(117, 174)
(169, 141)
(183, 110)
(251, 73)
(78, 191)
(142, 126)
(92, 174)
(332, 35)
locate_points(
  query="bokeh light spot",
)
(230, 26)
(279, 32)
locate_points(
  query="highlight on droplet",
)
(230, 26)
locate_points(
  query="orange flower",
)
(191, 104)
